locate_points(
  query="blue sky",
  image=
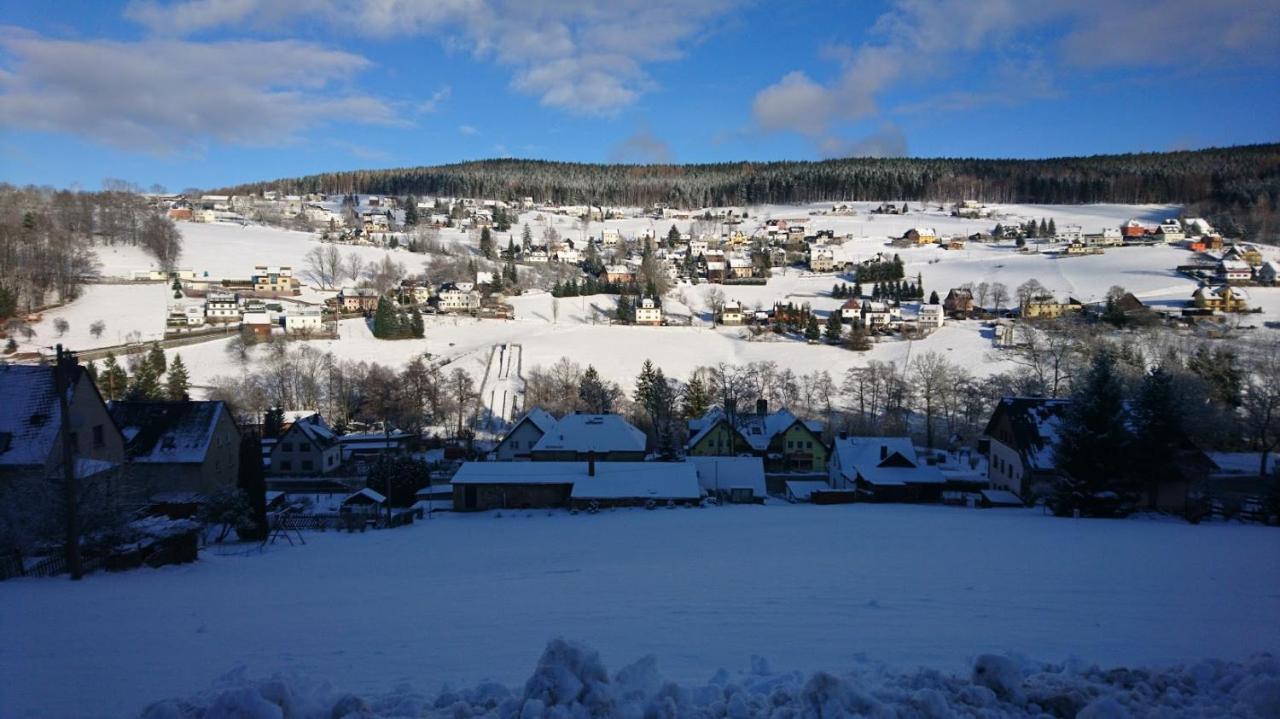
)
(213, 92)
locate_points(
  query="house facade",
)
(782, 440)
(520, 440)
(958, 302)
(1023, 432)
(179, 451)
(584, 436)
(309, 447)
(1221, 298)
(884, 469)
(648, 313)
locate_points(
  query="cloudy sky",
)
(210, 92)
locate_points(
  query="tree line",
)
(1242, 183)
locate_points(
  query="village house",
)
(883, 469)
(1069, 234)
(921, 236)
(739, 267)
(1240, 252)
(821, 259)
(930, 317)
(648, 313)
(1269, 272)
(180, 452)
(1109, 237)
(1080, 248)
(222, 307)
(731, 313)
(600, 437)
(308, 447)
(185, 315)
(879, 315)
(1234, 271)
(357, 299)
(786, 443)
(479, 486)
(617, 274)
(1049, 308)
(1132, 229)
(274, 280)
(738, 480)
(958, 303)
(30, 438)
(303, 320)
(518, 442)
(457, 297)
(1023, 432)
(257, 322)
(1198, 227)
(1171, 231)
(1220, 298)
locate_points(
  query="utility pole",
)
(63, 369)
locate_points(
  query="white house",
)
(883, 468)
(303, 320)
(648, 313)
(1171, 231)
(610, 238)
(1235, 271)
(453, 298)
(1198, 227)
(222, 307)
(880, 314)
(1269, 272)
(931, 316)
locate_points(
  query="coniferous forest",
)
(1238, 185)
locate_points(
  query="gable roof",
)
(726, 473)
(541, 419)
(29, 421)
(581, 432)
(1034, 423)
(883, 461)
(313, 428)
(167, 432)
(756, 430)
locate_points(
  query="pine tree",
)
(115, 382)
(410, 212)
(933, 298)
(91, 369)
(512, 275)
(1094, 440)
(697, 400)
(812, 330)
(145, 383)
(857, 339)
(486, 243)
(273, 423)
(623, 313)
(526, 237)
(177, 383)
(593, 393)
(1157, 431)
(1053, 228)
(835, 326)
(673, 236)
(155, 357)
(384, 320)
(1044, 228)
(416, 325)
(857, 290)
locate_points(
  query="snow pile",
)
(571, 682)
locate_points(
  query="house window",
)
(286, 466)
(99, 438)
(306, 465)
(286, 447)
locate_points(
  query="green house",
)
(784, 441)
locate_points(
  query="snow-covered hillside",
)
(459, 599)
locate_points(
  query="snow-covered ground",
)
(459, 599)
(549, 329)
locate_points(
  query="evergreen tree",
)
(11, 346)
(933, 298)
(416, 325)
(385, 320)
(486, 243)
(1158, 433)
(145, 383)
(512, 275)
(1044, 228)
(812, 330)
(177, 383)
(594, 394)
(857, 339)
(91, 369)
(998, 232)
(115, 382)
(624, 312)
(904, 208)
(857, 290)
(155, 357)
(411, 212)
(526, 237)
(1053, 228)
(253, 486)
(697, 400)
(511, 246)
(835, 326)
(673, 236)
(1093, 438)
(1220, 369)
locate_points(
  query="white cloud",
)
(170, 95)
(468, 130)
(889, 141)
(437, 99)
(923, 40)
(580, 56)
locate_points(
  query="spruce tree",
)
(812, 330)
(835, 326)
(416, 325)
(384, 320)
(697, 400)
(526, 238)
(673, 236)
(177, 383)
(145, 383)
(273, 423)
(933, 298)
(593, 393)
(1157, 431)
(857, 339)
(115, 381)
(1093, 437)
(486, 243)
(155, 357)
(411, 212)
(1053, 228)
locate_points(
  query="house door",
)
(469, 497)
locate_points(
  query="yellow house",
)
(1221, 298)
(1050, 308)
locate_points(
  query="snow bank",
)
(570, 681)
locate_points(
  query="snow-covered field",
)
(549, 329)
(459, 599)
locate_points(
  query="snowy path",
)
(502, 391)
(462, 598)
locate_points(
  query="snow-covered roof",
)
(539, 418)
(803, 489)
(167, 432)
(366, 493)
(757, 430)
(883, 461)
(1001, 497)
(580, 432)
(313, 428)
(1034, 422)
(639, 480)
(30, 416)
(1243, 462)
(725, 473)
